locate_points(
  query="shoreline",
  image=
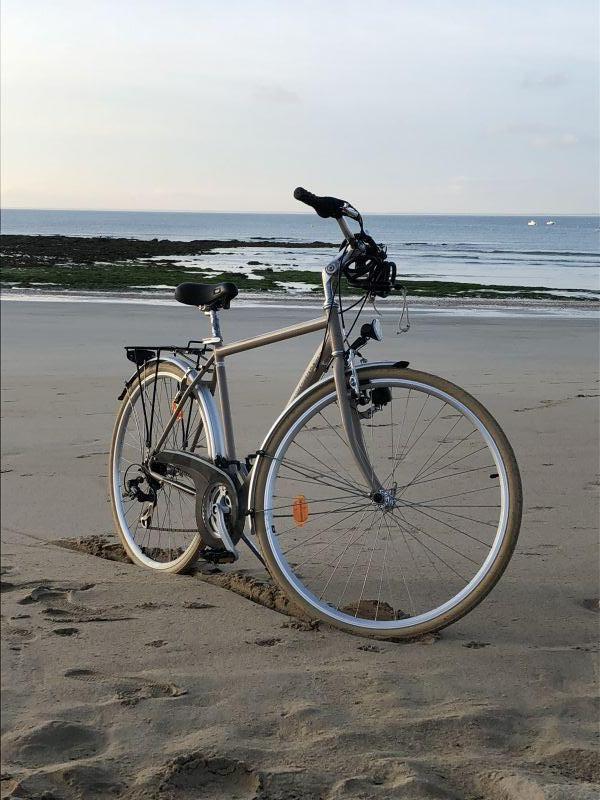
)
(283, 299)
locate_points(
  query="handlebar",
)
(365, 263)
(326, 207)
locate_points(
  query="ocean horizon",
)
(225, 224)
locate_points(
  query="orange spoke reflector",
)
(300, 509)
(174, 407)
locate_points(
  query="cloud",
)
(538, 135)
(275, 94)
(555, 140)
(521, 129)
(550, 80)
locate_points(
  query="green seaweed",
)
(88, 264)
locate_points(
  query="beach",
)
(121, 683)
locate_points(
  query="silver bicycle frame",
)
(331, 351)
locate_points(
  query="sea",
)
(557, 252)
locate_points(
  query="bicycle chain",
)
(172, 530)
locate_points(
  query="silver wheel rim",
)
(116, 476)
(325, 609)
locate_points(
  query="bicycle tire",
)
(266, 532)
(138, 554)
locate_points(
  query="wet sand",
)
(120, 683)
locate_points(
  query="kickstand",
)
(253, 548)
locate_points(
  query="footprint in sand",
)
(44, 592)
(579, 767)
(390, 778)
(194, 775)
(302, 720)
(51, 742)
(59, 604)
(575, 764)
(67, 782)
(16, 635)
(472, 729)
(66, 631)
(127, 690)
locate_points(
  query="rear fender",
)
(214, 433)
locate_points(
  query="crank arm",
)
(224, 533)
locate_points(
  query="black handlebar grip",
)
(324, 206)
(304, 196)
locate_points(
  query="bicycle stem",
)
(349, 236)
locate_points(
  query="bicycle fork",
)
(348, 411)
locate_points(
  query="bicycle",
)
(384, 500)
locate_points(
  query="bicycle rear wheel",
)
(419, 555)
(155, 521)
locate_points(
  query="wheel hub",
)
(385, 499)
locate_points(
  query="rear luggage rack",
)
(194, 352)
(194, 349)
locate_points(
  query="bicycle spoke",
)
(362, 591)
(344, 551)
(451, 475)
(420, 543)
(411, 527)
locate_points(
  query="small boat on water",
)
(532, 222)
(550, 222)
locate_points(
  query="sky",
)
(400, 106)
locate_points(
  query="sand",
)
(119, 683)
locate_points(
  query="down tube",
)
(315, 369)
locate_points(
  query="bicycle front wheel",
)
(415, 557)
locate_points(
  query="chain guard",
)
(208, 481)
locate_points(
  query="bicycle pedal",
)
(218, 556)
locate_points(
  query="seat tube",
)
(221, 385)
(224, 406)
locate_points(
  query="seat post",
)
(215, 325)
